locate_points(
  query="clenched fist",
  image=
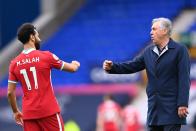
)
(76, 63)
(71, 67)
(107, 65)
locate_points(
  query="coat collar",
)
(170, 45)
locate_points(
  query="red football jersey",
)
(109, 111)
(32, 68)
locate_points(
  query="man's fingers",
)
(18, 118)
(107, 64)
(19, 121)
(76, 63)
(182, 112)
(187, 112)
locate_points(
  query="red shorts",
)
(50, 123)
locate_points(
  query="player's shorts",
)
(50, 123)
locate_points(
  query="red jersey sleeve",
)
(55, 62)
(12, 77)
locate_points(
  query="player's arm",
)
(71, 67)
(12, 96)
(12, 100)
(55, 62)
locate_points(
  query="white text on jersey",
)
(27, 61)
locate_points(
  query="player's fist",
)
(107, 65)
(76, 63)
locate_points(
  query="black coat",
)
(168, 81)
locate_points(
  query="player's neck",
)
(28, 46)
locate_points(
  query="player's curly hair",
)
(24, 32)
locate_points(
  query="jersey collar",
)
(27, 51)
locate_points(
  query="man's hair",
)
(24, 32)
(165, 23)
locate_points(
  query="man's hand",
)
(182, 111)
(107, 65)
(71, 67)
(18, 118)
(76, 63)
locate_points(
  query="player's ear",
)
(32, 37)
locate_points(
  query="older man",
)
(168, 69)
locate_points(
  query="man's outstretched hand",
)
(107, 65)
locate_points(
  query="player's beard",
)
(37, 44)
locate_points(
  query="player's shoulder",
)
(44, 53)
(50, 55)
(15, 59)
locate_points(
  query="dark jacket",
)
(168, 81)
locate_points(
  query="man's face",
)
(157, 33)
(37, 40)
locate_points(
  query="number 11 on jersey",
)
(26, 78)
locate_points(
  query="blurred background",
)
(91, 31)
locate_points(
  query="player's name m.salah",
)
(28, 61)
